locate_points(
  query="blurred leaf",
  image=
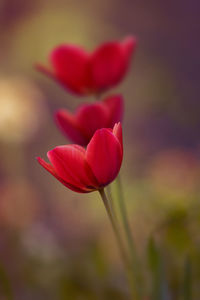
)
(99, 261)
(153, 255)
(187, 280)
(159, 289)
(177, 233)
(5, 287)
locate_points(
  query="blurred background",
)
(56, 244)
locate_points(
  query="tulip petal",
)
(91, 117)
(70, 164)
(69, 126)
(51, 170)
(45, 70)
(129, 45)
(104, 155)
(71, 67)
(117, 131)
(115, 106)
(107, 65)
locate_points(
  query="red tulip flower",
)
(86, 170)
(90, 73)
(89, 117)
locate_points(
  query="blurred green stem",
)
(187, 284)
(120, 243)
(110, 199)
(5, 285)
(98, 96)
(136, 273)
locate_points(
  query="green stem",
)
(187, 284)
(119, 240)
(5, 284)
(110, 199)
(134, 259)
(98, 96)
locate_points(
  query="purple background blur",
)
(56, 244)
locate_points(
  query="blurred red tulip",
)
(90, 73)
(88, 170)
(81, 126)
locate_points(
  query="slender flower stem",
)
(110, 199)
(134, 259)
(98, 96)
(124, 215)
(119, 240)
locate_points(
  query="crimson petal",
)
(70, 164)
(51, 170)
(107, 65)
(69, 126)
(115, 106)
(129, 45)
(91, 117)
(104, 155)
(71, 67)
(117, 131)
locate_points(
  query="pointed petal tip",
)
(117, 126)
(46, 165)
(59, 114)
(52, 152)
(43, 69)
(117, 131)
(59, 119)
(39, 67)
(104, 155)
(130, 43)
(130, 40)
(40, 160)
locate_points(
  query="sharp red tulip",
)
(81, 126)
(86, 170)
(90, 73)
